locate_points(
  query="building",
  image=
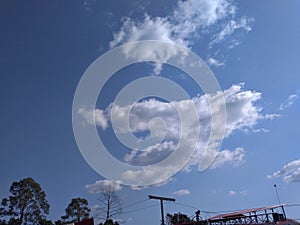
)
(258, 216)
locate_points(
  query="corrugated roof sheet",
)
(241, 213)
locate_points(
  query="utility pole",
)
(277, 195)
(161, 205)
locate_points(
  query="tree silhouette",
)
(27, 203)
(177, 218)
(111, 204)
(77, 210)
(109, 222)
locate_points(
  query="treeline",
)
(27, 205)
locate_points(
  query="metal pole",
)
(283, 211)
(161, 205)
(162, 212)
(275, 187)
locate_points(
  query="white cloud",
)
(181, 192)
(242, 114)
(271, 116)
(160, 184)
(241, 110)
(89, 5)
(156, 174)
(233, 193)
(188, 20)
(179, 27)
(290, 172)
(228, 29)
(191, 15)
(240, 106)
(234, 157)
(214, 62)
(289, 101)
(96, 116)
(101, 186)
(151, 154)
(149, 29)
(138, 188)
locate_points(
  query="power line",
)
(292, 205)
(161, 199)
(135, 203)
(138, 209)
(189, 206)
(193, 207)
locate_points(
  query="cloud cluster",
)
(290, 172)
(183, 26)
(100, 186)
(242, 114)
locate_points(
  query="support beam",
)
(161, 205)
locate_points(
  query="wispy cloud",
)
(214, 62)
(228, 29)
(89, 5)
(290, 172)
(163, 183)
(189, 20)
(181, 192)
(100, 186)
(289, 101)
(233, 157)
(233, 193)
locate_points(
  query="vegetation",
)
(177, 218)
(111, 206)
(77, 210)
(26, 205)
(109, 222)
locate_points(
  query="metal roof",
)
(241, 213)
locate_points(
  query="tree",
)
(111, 203)
(77, 210)
(27, 203)
(177, 218)
(109, 222)
(2, 222)
(59, 222)
(45, 222)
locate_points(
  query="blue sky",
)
(253, 49)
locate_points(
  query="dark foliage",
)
(76, 211)
(26, 205)
(177, 218)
